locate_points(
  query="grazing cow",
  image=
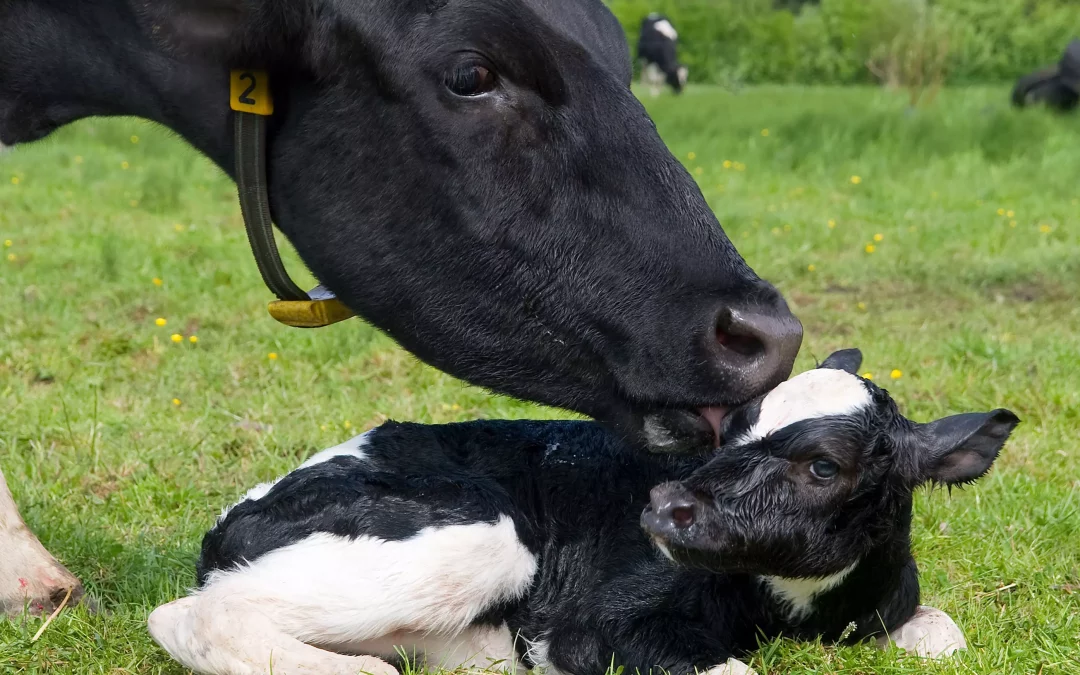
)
(1057, 87)
(474, 178)
(658, 55)
(521, 543)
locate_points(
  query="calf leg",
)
(361, 595)
(29, 576)
(218, 634)
(931, 633)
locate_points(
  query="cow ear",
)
(217, 30)
(847, 360)
(961, 448)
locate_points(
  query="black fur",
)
(540, 241)
(603, 592)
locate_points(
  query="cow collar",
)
(250, 100)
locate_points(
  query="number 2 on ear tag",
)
(249, 91)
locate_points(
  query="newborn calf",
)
(520, 544)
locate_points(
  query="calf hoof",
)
(732, 667)
(930, 634)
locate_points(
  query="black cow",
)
(1057, 87)
(658, 55)
(473, 177)
(521, 543)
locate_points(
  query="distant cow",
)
(1057, 87)
(520, 544)
(658, 54)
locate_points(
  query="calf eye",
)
(471, 79)
(824, 469)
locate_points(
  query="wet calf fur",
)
(555, 544)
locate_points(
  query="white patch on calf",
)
(684, 74)
(799, 594)
(337, 591)
(354, 447)
(931, 634)
(665, 28)
(731, 667)
(821, 392)
(538, 653)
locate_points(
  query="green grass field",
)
(945, 243)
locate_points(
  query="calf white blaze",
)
(816, 393)
(665, 28)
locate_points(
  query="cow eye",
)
(824, 469)
(471, 79)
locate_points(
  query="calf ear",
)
(961, 448)
(846, 359)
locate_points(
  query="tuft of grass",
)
(974, 308)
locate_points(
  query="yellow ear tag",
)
(309, 313)
(249, 92)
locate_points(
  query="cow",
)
(476, 179)
(658, 57)
(1057, 87)
(556, 545)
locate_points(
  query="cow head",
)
(816, 475)
(473, 177)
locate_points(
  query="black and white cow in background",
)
(521, 544)
(474, 178)
(658, 55)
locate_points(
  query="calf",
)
(521, 544)
(657, 53)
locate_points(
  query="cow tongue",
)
(714, 415)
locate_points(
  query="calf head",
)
(815, 475)
(475, 178)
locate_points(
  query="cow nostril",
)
(682, 516)
(734, 334)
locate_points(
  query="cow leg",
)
(931, 634)
(30, 578)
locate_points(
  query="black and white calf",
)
(521, 544)
(658, 54)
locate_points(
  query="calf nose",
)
(756, 345)
(671, 508)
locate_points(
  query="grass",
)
(121, 445)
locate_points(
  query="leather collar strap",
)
(249, 97)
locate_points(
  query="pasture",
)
(943, 242)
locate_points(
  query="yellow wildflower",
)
(160, 321)
(14, 180)
(124, 165)
(727, 164)
(1001, 212)
(1012, 223)
(896, 374)
(12, 257)
(698, 171)
(861, 306)
(868, 376)
(811, 267)
(178, 227)
(691, 156)
(157, 281)
(8, 243)
(764, 132)
(879, 237)
(855, 180)
(272, 356)
(870, 248)
(1010, 213)
(193, 339)
(176, 337)
(134, 139)
(348, 424)
(832, 224)
(1045, 229)
(176, 401)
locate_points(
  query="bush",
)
(862, 41)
